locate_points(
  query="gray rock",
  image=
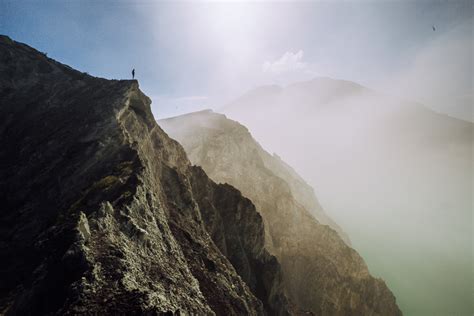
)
(102, 213)
(83, 227)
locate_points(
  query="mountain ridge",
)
(322, 82)
(102, 213)
(321, 273)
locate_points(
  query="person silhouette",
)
(133, 73)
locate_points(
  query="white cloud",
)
(289, 62)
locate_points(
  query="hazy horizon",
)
(195, 55)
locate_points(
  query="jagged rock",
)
(102, 213)
(83, 227)
(237, 230)
(321, 272)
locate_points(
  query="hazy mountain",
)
(102, 213)
(394, 174)
(321, 273)
(196, 132)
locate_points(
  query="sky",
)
(194, 55)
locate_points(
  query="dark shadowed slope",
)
(394, 174)
(321, 272)
(102, 213)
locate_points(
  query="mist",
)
(381, 148)
(395, 175)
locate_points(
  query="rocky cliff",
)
(321, 272)
(102, 213)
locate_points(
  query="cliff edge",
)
(102, 213)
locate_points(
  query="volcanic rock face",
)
(102, 213)
(321, 272)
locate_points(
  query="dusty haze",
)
(394, 174)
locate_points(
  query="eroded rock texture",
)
(102, 213)
(321, 272)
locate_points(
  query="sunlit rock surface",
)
(321, 272)
(102, 213)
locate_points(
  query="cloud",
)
(289, 62)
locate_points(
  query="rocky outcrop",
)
(102, 213)
(321, 272)
(237, 228)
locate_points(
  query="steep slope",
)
(321, 272)
(102, 213)
(396, 176)
(207, 125)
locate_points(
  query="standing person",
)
(133, 73)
